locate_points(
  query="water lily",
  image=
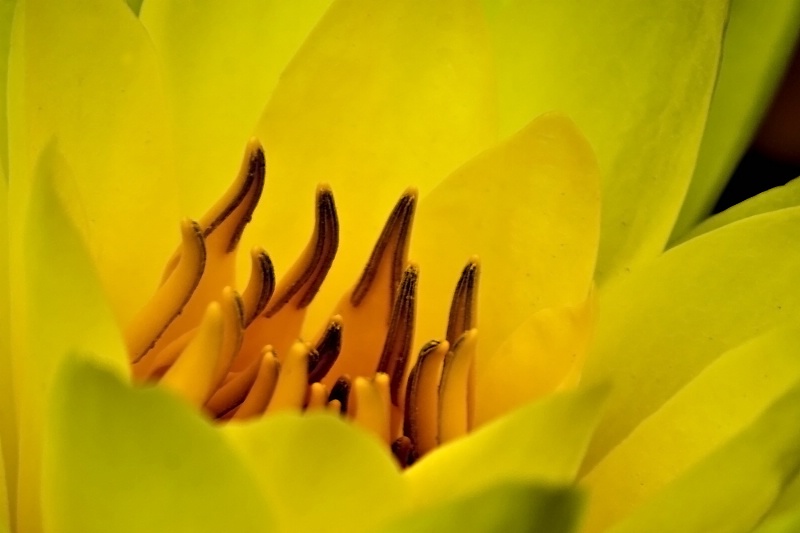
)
(123, 119)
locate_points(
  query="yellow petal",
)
(660, 326)
(87, 75)
(320, 473)
(758, 45)
(6, 19)
(221, 61)
(542, 442)
(508, 507)
(381, 94)
(637, 77)
(722, 400)
(58, 306)
(529, 209)
(545, 353)
(144, 460)
(732, 489)
(8, 430)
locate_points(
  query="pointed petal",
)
(772, 200)
(86, 74)
(312, 467)
(384, 94)
(7, 9)
(543, 442)
(145, 462)
(511, 508)
(722, 400)
(759, 40)
(8, 427)
(221, 62)
(662, 325)
(652, 65)
(58, 306)
(529, 209)
(732, 489)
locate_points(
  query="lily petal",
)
(732, 489)
(86, 74)
(772, 200)
(381, 96)
(312, 467)
(759, 40)
(509, 507)
(221, 62)
(145, 462)
(542, 442)
(721, 401)
(6, 18)
(52, 275)
(663, 324)
(8, 430)
(530, 209)
(652, 65)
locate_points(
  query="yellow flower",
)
(118, 125)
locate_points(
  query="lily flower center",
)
(240, 355)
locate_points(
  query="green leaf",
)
(759, 40)
(660, 326)
(320, 473)
(731, 490)
(509, 507)
(543, 442)
(637, 78)
(126, 460)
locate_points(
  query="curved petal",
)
(784, 523)
(381, 96)
(759, 40)
(221, 62)
(660, 326)
(732, 489)
(722, 400)
(84, 72)
(772, 200)
(8, 430)
(58, 305)
(529, 208)
(509, 507)
(637, 78)
(543, 442)
(320, 473)
(139, 460)
(7, 9)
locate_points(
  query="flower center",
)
(238, 356)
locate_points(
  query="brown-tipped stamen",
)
(341, 392)
(260, 287)
(403, 451)
(420, 422)
(463, 309)
(397, 346)
(326, 351)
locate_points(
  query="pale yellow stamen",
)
(290, 392)
(233, 391)
(422, 399)
(262, 389)
(453, 406)
(372, 405)
(317, 397)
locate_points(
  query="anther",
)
(395, 239)
(326, 351)
(262, 389)
(260, 287)
(463, 309)
(403, 451)
(340, 392)
(290, 391)
(233, 391)
(420, 422)
(454, 388)
(397, 347)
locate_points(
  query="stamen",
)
(233, 391)
(317, 397)
(463, 309)
(397, 347)
(367, 308)
(290, 392)
(372, 405)
(326, 351)
(421, 410)
(149, 325)
(193, 373)
(340, 392)
(280, 323)
(453, 388)
(403, 450)
(262, 389)
(260, 287)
